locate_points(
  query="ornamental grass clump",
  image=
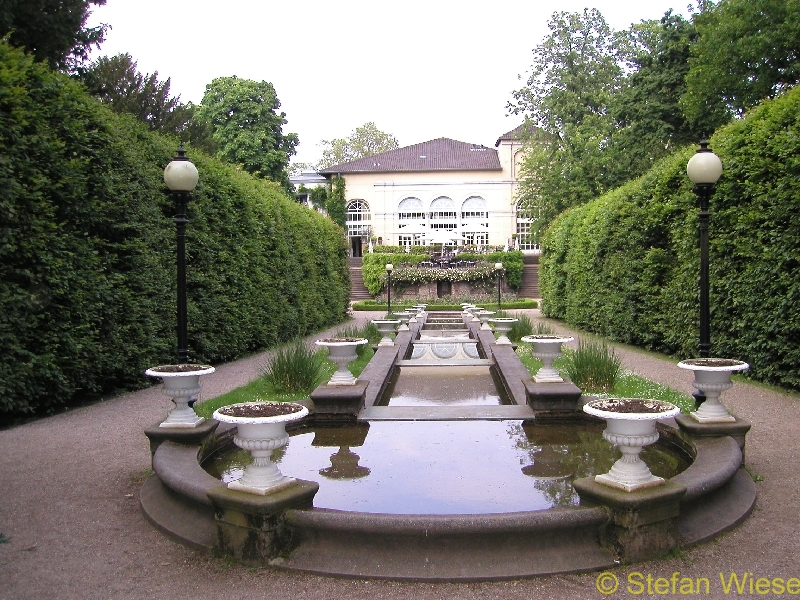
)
(295, 368)
(594, 367)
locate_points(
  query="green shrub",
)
(594, 366)
(626, 266)
(87, 259)
(294, 367)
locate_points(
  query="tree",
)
(576, 71)
(746, 51)
(247, 127)
(54, 31)
(649, 121)
(117, 82)
(366, 140)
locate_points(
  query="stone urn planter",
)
(712, 376)
(474, 311)
(630, 425)
(483, 316)
(181, 383)
(547, 348)
(260, 429)
(503, 325)
(386, 327)
(342, 351)
(404, 318)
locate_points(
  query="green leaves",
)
(627, 264)
(246, 125)
(87, 250)
(746, 50)
(366, 140)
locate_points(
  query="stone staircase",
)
(357, 289)
(529, 288)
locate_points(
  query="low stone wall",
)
(458, 289)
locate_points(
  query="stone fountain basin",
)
(450, 547)
(453, 546)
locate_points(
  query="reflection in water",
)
(344, 465)
(570, 451)
(448, 467)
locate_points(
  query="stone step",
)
(446, 413)
(472, 362)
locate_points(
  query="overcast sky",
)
(420, 69)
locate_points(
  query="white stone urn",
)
(386, 327)
(181, 383)
(342, 351)
(547, 348)
(483, 316)
(630, 425)
(712, 376)
(404, 318)
(474, 311)
(503, 325)
(260, 429)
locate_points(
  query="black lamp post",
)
(181, 178)
(498, 268)
(704, 169)
(389, 268)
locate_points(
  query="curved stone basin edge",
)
(719, 495)
(713, 495)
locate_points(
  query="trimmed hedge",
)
(627, 265)
(87, 251)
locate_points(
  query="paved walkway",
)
(68, 505)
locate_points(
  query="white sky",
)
(420, 69)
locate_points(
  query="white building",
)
(307, 180)
(433, 192)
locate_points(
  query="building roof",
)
(518, 133)
(441, 154)
(308, 178)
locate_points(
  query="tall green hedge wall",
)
(627, 265)
(87, 251)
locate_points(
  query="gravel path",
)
(69, 509)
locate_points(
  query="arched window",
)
(474, 207)
(358, 218)
(410, 208)
(525, 216)
(475, 221)
(411, 218)
(443, 214)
